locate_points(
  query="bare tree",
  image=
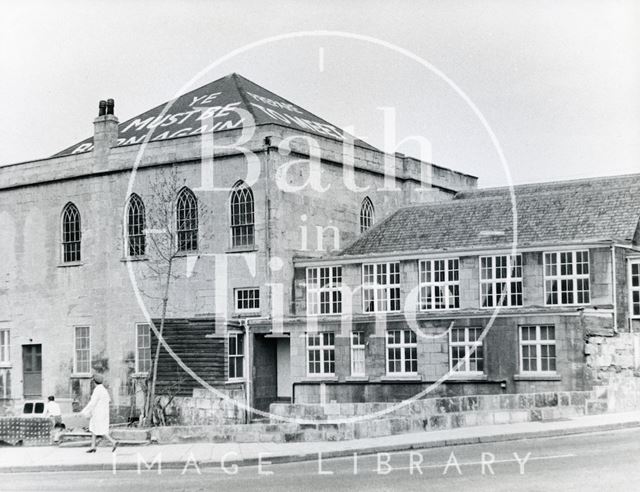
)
(165, 243)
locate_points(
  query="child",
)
(52, 410)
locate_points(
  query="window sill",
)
(537, 377)
(5, 365)
(81, 375)
(461, 376)
(134, 258)
(356, 379)
(235, 381)
(184, 254)
(437, 311)
(70, 264)
(329, 378)
(576, 305)
(399, 377)
(248, 313)
(241, 249)
(140, 375)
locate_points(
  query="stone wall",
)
(208, 408)
(338, 422)
(613, 364)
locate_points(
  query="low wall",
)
(345, 421)
(208, 408)
(29, 431)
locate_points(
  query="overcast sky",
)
(557, 81)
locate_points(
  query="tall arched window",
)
(71, 233)
(367, 215)
(187, 220)
(242, 216)
(136, 241)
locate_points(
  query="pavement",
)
(596, 461)
(186, 455)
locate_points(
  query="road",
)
(599, 461)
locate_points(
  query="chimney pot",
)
(110, 106)
(102, 108)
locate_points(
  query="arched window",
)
(136, 241)
(187, 220)
(242, 216)
(71, 233)
(367, 215)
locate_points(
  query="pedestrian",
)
(98, 411)
(52, 410)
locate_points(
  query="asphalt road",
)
(601, 461)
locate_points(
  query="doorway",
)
(283, 369)
(32, 371)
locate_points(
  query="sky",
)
(553, 85)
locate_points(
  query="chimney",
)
(105, 133)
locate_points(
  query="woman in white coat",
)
(97, 410)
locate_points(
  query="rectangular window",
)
(247, 300)
(4, 347)
(236, 355)
(537, 348)
(143, 348)
(357, 353)
(466, 354)
(381, 287)
(501, 280)
(566, 277)
(439, 284)
(402, 352)
(321, 354)
(82, 360)
(634, 287)
(5, 383)
(324, 294)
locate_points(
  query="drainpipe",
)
(614, 288)
(248, 368)
(267, 219)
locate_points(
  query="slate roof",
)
(232, 91)
(548, 213)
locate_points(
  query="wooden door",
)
(32, 371)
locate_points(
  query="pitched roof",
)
(220, 99)
(547, 213)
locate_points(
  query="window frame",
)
(193, 232)
(75, 350)
(469, 352)
(247, 217)
(141, 223)
(367, 215)
(403, 345)
(236, 357)
(508, 281)
(574, 277)
(5, 384)
(316, 289)
(444, 286)
(537, 343)
(633, 289)
(5, 347)
(376, 287)
(321, 348)
(361, 345)
(236, 300)
(71, 207)
(138, 348)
